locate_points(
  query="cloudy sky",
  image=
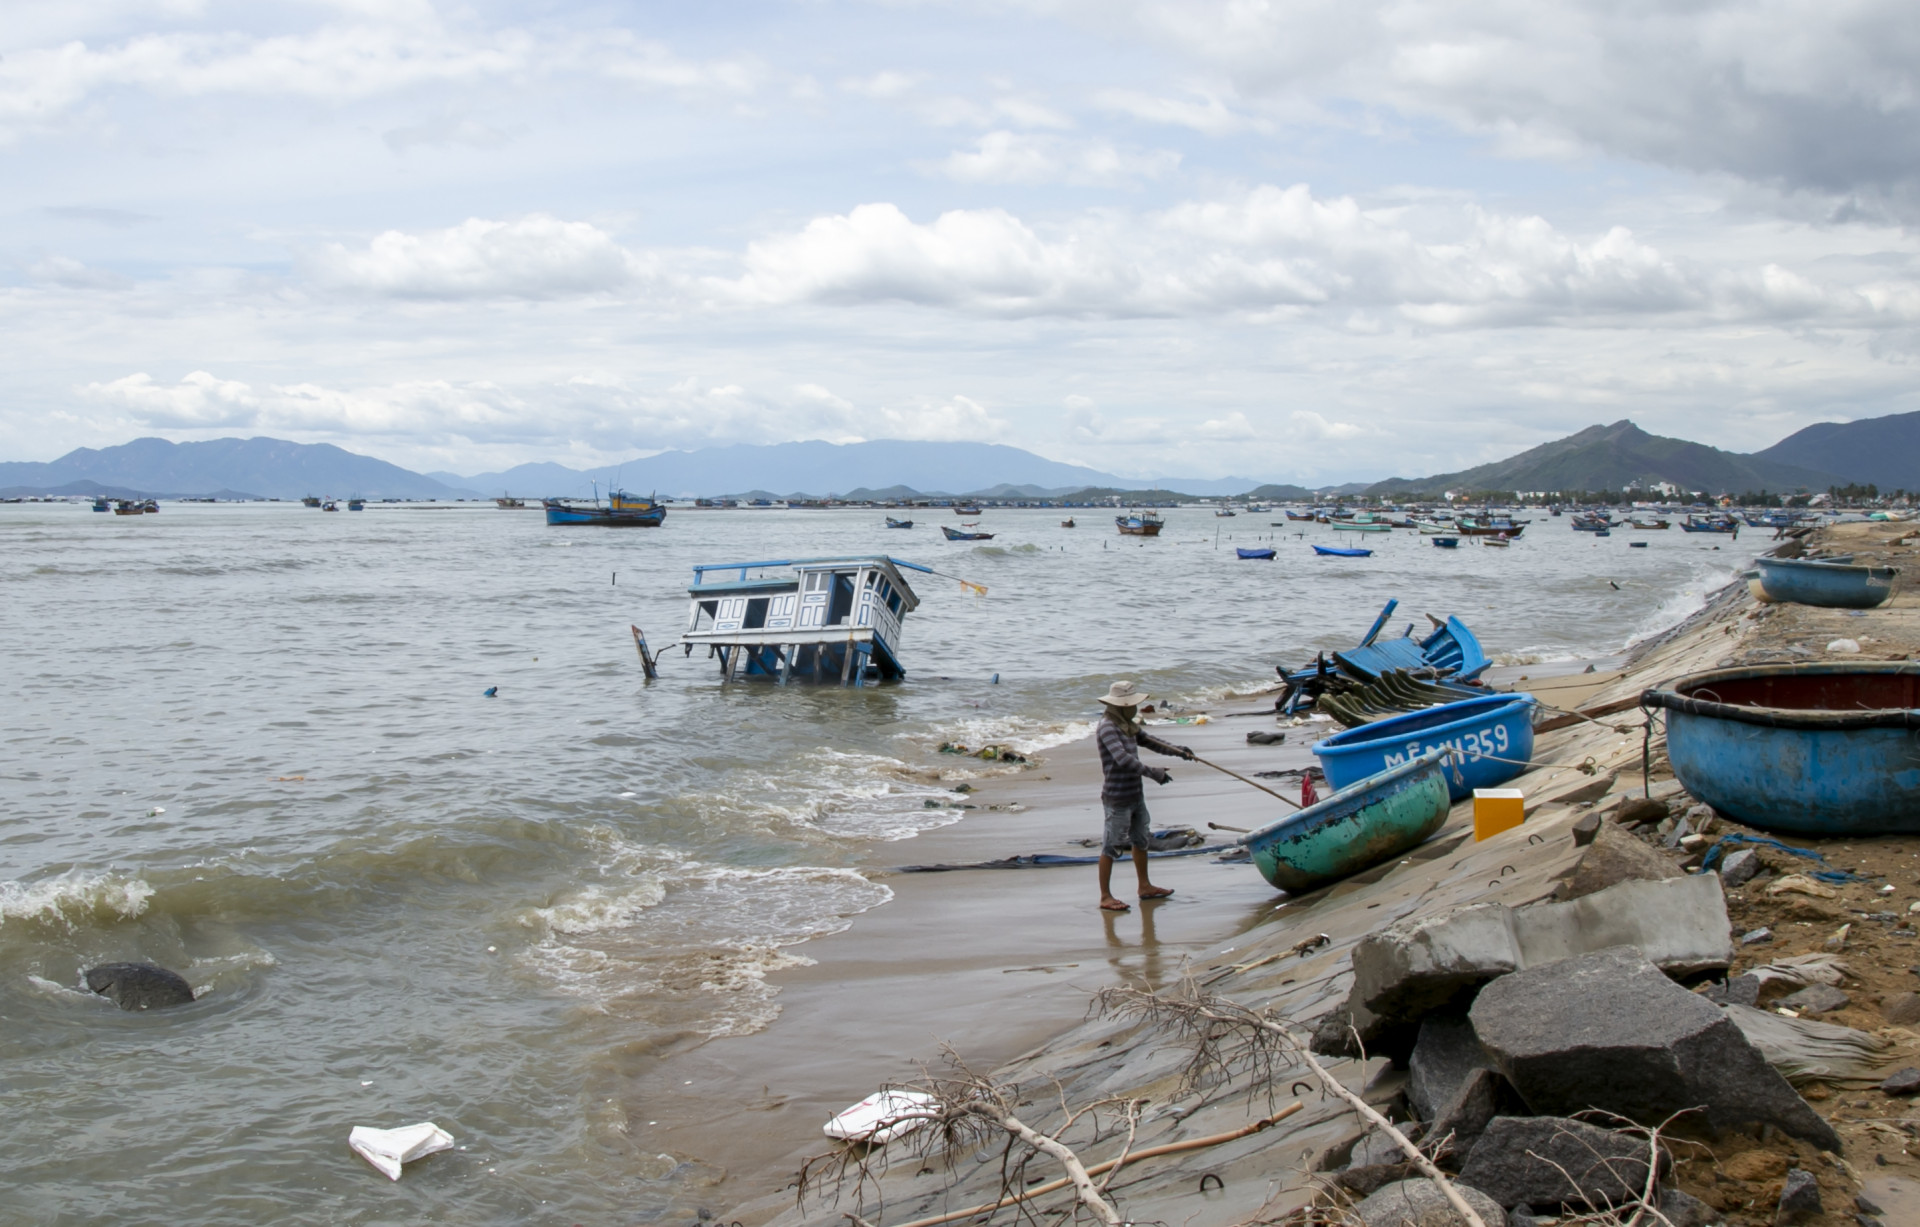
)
(1292, 239)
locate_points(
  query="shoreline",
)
(1001, 964)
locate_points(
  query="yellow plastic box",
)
(1496, 810)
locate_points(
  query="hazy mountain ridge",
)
(1613, 456)
(272, 468)
(1884, 451)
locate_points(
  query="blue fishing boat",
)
(1340, 551)
(1139, 524)
(1491, 739)
(1717, 524)
(954, 534)
(1829, 584)
(1257, 553)
(1373, 820)
(1824, 749)
(824, 619)
(621, 510)
(100, 502)
(1447, 543)
(893, 523)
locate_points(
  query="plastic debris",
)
(1844, 645)
(1807, 1051)
(389, 1149)
(1803, 969)
(1801, 884)
(876, 1119)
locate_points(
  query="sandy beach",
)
(1000, 965)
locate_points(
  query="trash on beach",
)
(1807, 1051)
(1801, 884)
(1496, 810)
(389, 1149)
(876, 1119)
(1844, 645)
(1825, 969)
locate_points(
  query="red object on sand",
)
(1307, 795)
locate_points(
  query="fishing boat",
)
(329, 505)
(1433, 528)
(1501, 541)
(954, 534)
(1491, 739)
(621, 510)
(1298, 516)
(1491, 528)
(1827, 583)
(510, 504)
(150, 507)
(356, 504)
(1354, 526)
(1258, 509)
(1820, 749)
(100, 503)
(310, 501)
(1341, 551)
(1694, 524)
(1254, 553)
(819, 619)
(970, 509)
(1447, 543)
(1067, 523)
(893, 523)
(1603, 532)
(1646, 527)
(1636, 545)
(1139, 524)
(1359, 826)
(126, 507)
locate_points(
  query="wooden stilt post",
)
(646, 657)
(846, 661)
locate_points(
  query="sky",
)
(1297, 240)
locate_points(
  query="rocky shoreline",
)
(1548, 945)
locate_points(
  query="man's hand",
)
(1186, 752)
(1162, 776)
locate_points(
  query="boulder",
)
(1484, 1096)
(1799, 1198)
(1686, 1210)
(1902, 1081)
(1420, 1203)
(1415, 967)
(1443, 1058)
(1816, 999)
(1608, 1031)
(1635, 811)
(1738, 869)
(1741, 990)
(139, 986)
(1553, 1161)
(1614, 857)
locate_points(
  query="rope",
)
(1825, 875)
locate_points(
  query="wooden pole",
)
(646, 657)
(1244, 780)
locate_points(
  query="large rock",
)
(1443, 1058)
(1553, 1161)
(1477, 1101)
(1416, 967)
(1615, 857)
(139, 986)
(1420, 1203)
(1608, 1031)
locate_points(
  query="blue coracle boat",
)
(1341, 551)
(1829, 584)
(1259, 553)
(1821, 749)
(1447, 543)
(1491, 739)
(1358, 826)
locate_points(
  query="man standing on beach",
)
(1121, 794)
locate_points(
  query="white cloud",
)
(530, 257)
(1012, 157)
(71, 274)
(199, 400)
(1206, 113)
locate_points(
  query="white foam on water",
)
(829, 792)
(63, 992)
(74, 898)
(1026, 734)
(1690, 599)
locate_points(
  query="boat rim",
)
(1785, 717)
(1824, 564)
(1493, 703)
(1429, 758)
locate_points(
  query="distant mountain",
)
(89, 489)
(1612, 457)
(1884, 451)
(273, 468)
(819, 470)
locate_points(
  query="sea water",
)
(250, 743)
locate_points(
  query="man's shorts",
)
(1126, 827)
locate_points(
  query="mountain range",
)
(1884, 451)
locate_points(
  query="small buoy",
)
(491, 692)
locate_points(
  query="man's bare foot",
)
(1155, 892)
(1111, 904)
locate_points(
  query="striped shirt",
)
(1121, 761)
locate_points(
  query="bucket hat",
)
(1124, 694)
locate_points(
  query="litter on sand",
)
(389, 1149)
(876, 1119)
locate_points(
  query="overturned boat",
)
(810, 619)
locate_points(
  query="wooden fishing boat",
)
(510, 504)
(621, 510)
(1340, 551)
(1067, 523)
(100, 503)
(1297, 516)
(1225, 513)
(893, 523)
(1433, 528)
(1447, 543)
(356, 504)
(128, 508)
(825, 619)
(1502, 541)
(329, 506)
(1254, 553)
(1693, 524)
(310, 501)
(1345, 526)
(1139, 524)
(968, 510)
(1493, 528)
(1359, 826)
(954, 534)
(1491, 739)
(1657, 524)
(1811, 581)
(1822, 749)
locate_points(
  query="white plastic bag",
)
(388, 1149)
(877, 1119)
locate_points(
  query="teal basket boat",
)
(1360, 826)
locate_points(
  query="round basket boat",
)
(1491, 738)
(1357, 827)
(1816, 749)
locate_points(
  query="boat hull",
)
(1357, 827)
(1490, 738)
(1828, 585)
(605, 516)
(1260, 553)
(1826, 749)
(1335, 551)
(1361, 528)
(1447, 543)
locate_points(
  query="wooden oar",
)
(1244, 780)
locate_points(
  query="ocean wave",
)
(1680, 605)
(74, 898)
(1026, 734)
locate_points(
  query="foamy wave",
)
(63, 992)
(1681, 605)
(74, 898)
(832, 792)
(595, 908)
(1025, 734)
(1228, 691)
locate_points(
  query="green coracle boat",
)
(1363, 824)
